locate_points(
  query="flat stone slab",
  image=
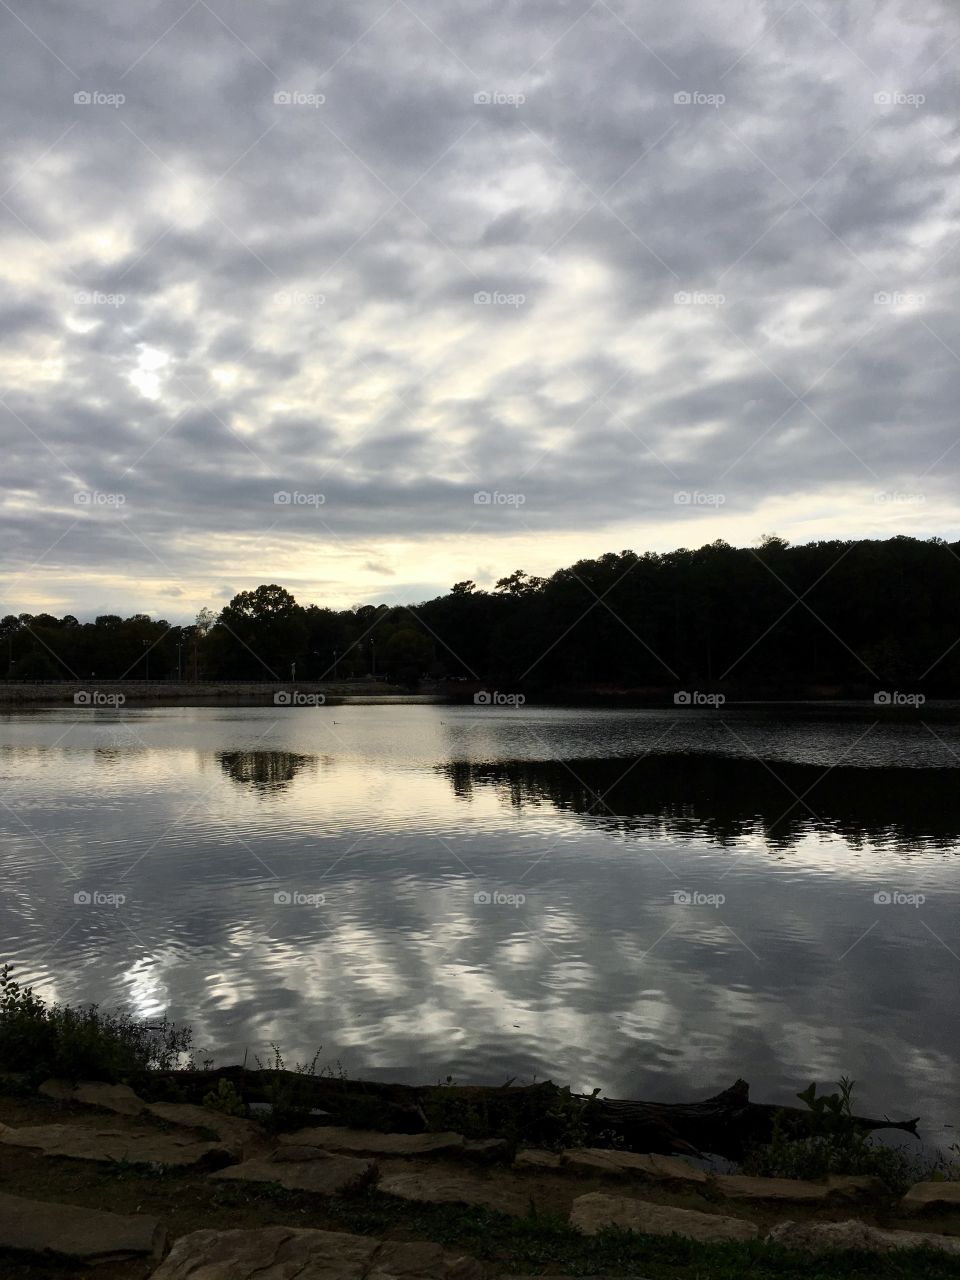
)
(931, 1195)
(737, 1186)
(243, 1137)
(430, 1186)
(534, 1158)
(70, 1231)
(818, 1237)
(119, 1098)
(282, 1253)
(592, 1212)
(102, 1144)
(322, 1174)
(630, 1164)
(369, 1142)
(487, 1150)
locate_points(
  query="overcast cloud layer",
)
(646, 275)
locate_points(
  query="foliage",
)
(225, 1099)
(289, 1093)
(82, 1043)
(836, 1144)
(878, 615)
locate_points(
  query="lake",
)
(652, 902)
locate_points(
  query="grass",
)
(549, 1246)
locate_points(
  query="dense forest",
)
(840, 615)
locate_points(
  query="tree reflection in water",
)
(264, 771)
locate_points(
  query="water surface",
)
(647, 901)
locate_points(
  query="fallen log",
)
(727, 1124)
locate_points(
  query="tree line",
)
(864, 614)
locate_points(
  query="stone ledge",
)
(80, 1234)
(591, 1213)
(370, 1142)
(818, 1237)
(923, 1196)
(103, 1145)
(332, 1255)
(737, 1186)
(119, 1098)
(631, 1164)
(431, 1186)
(321, 1174)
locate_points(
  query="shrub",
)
(225, 1099)
(86, 1042)
(838, 1145)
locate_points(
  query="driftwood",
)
(727, 1124)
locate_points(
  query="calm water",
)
(597, 827)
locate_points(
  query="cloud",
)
(654, 255)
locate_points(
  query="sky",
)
(370, 298)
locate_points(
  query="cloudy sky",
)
(287, 287)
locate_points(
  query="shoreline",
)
(97, 694)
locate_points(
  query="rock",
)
(487, 1150)
(795, 1190)
(69, 1231)
(322, 1174)
(243, 1137)
(592, 1212)
(135, 1146)
(431, 1186)
(284, 1252)
(931, 1195)
(534, 1158)
(630, 1164)
(818, 1237)
(118, 1098)
(369, 1142)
